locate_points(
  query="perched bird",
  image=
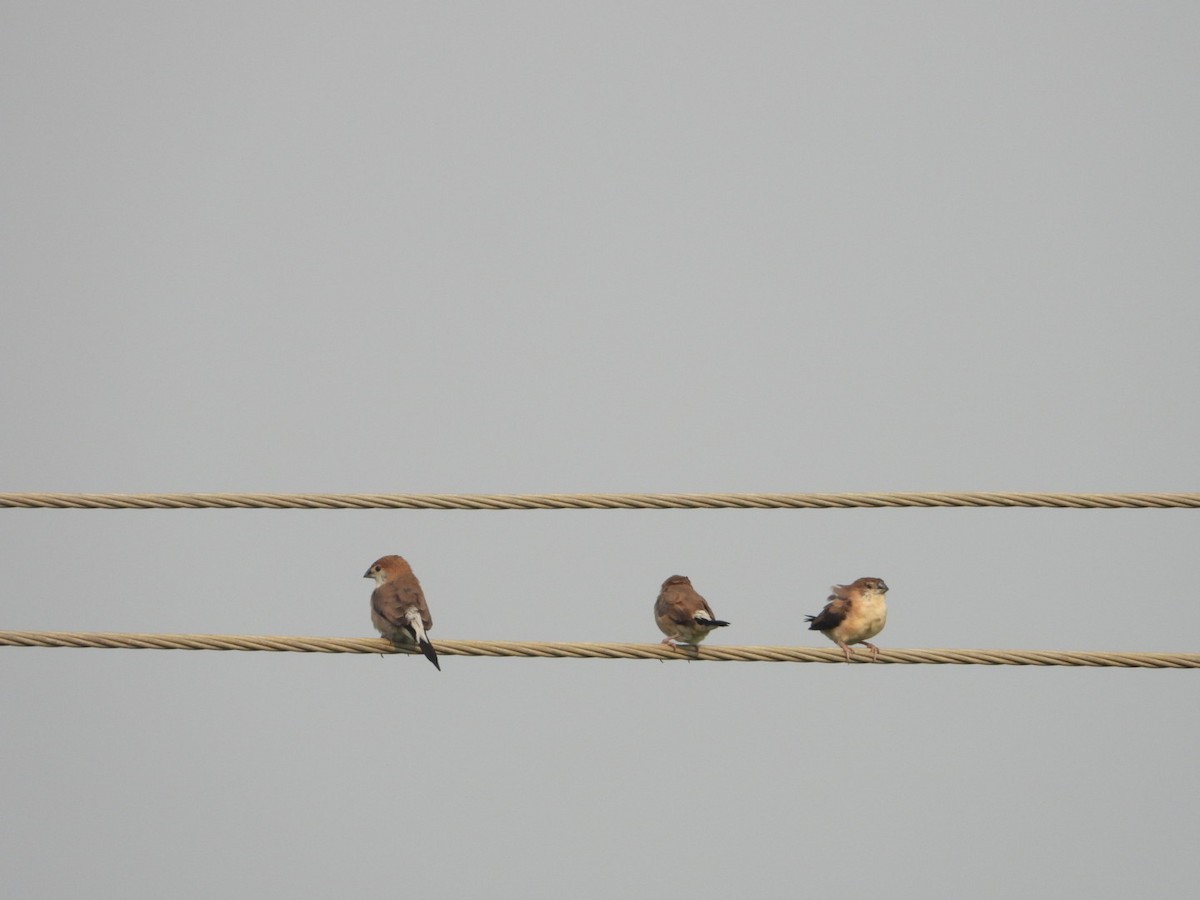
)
(398, 608)
(854, 613)
(683, 615)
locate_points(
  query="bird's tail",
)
(417, 627)
(430, 653)
(711, 623)
(810, 618)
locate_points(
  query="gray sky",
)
(538, 247)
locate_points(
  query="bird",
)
(854, 613)
(398, 608)
(683, 615)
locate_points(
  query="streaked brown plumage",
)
(683, 615)
(398, 608)
(854, 613)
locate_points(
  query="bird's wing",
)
(389, 604)
(392, 601)
(678, 604)
(412, 590)
(833, 614)
(409, 589)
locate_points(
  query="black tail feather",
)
(430, 654)
(713, 623)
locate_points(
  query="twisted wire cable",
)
(596, 501)
(565, 650)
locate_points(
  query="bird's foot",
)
(682, 646)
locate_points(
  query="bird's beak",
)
(883, 586)
(367, 574)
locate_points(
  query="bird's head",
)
(676, 579)
(387, 567)
(871, 585)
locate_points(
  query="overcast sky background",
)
(543, 247)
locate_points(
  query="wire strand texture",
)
(596, 501)
(563, 650)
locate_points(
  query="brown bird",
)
(683, 615)
(398, 608)
(854, 613)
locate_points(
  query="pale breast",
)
(866, 620)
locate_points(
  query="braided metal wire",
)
(562, 650)
(596, 501)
